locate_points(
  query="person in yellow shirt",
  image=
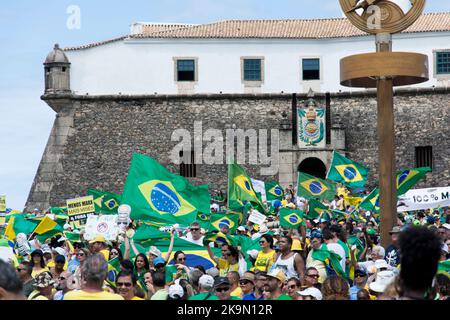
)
(266, 257)
(37, 263)
(126, 284)
(229, 262)
(98, 245)
(234, 278)
(93, 274)
(43, 285)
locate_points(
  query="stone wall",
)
(106, 130)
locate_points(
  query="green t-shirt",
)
(171, 271)
(202, 296)
(283, 297)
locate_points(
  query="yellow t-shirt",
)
(35, 295)
(137, 298)
(51, 264)
(265, 260)
(105, 253)
(225, 267)
(34, 273)
(83, 295)
(236, 292)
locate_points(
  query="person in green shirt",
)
(205, 285)
(274, 286)
(222, 288)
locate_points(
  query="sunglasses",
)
(114, 253)
(181, 259)
(262, 242)
(19, 269)
(194, 229)
(292, 286)
(222, 289)
(126, 284)
(313, 275)
(80, 254)
(359, 275)
(244, 282)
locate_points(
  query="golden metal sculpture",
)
(383, 70)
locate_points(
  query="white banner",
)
(259, 186)
(257, 218)
(105, 225)
(421, 199)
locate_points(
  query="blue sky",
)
(29, 29)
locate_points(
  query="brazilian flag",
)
(371, 202)
(219, 237)
(311, 187)
(203, 219)
(219, 220)
(47, 229)
(273, 191)
(316, 208)
(331, 261)
(347, 172)
(19, 224)
(407, 178)
(240, 187)
(105, 202)
(444, 267)
(291, 219)
(157, 194)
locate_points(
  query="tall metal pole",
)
(386, 147)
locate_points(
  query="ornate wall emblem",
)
(311, 125)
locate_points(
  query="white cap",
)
(46, 249)
(241, 228)
(384, 278)
(153, 250)
(311, 291)
(444, 248)
(381, 263)
(206, 281)
(60, 251)
(176, 289)
(446, 226)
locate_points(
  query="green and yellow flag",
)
(19, 224)
(371, 202)
(47, 229)
(310, 187)
(219, 220)
(291, 219)
(347, 172)
(407, 178)
(240, 188)
(105, 202)
(331, 261)
(157, 194)
(315, 209)
(273, 191)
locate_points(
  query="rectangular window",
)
(424, 157)
(188, 168)
(185, 70)
(442, 62)
(252, 70)
(311, 69)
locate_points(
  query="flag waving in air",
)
(311, 187)
(157, 194)
(347, 172)
(290, 218)
(240, 187)
(273, 191)
(219, 220)
(407, 178)
(105, 202)
(371, 202)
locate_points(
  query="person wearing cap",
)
(98, 245)
(274, 287)
(444, 253)
(222, 289)
(176, 292)
(37, 263)
(359, 283)
(316, 243)
(59, 262)
(241, 231)
(267, 255)
(383, 279)
(126, 285)
(247, 284)
(392, 255)
(43, 284)
(310, 293)
(205, 286)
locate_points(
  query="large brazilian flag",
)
(156, 194)
(347, 172)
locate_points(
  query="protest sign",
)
(257, 218)
(2, 203)
(105, 225)
(420, 199)
(79, 209)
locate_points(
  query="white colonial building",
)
(245, 56)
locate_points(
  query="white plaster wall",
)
(146, 66)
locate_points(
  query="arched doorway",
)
(314, 167)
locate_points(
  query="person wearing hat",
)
(98, 245)
(176, 292)
(310, 293)
(274, 287)
(37, 263)
(222, 289)
(444, 252)
(316, 243)
(359, 283)
(383, 279)
(59, 262)
(241, 231)
(247, 284)
(43, 285)
(205, 285)
(392, 256)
